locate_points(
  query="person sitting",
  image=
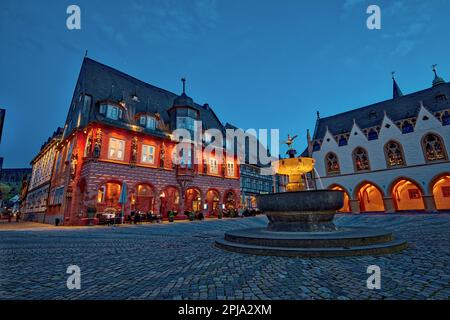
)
(150, 217)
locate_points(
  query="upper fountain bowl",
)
(293, 166)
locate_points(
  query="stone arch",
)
(346, 207)
(193, 198)
(169, 199)
(407, 194)
(370, 197)
(144, 197)
(212, 200)
(230, 199)
(439, 187)
(108, 195)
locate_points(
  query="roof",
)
(402, 107)
(103, 82)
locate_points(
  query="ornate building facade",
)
(116, 153)
(391, 156)
(35, 204)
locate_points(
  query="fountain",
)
(301, 221)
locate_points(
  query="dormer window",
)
(373, 135)
(111, 111)
(148, 122)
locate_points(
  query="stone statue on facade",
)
(162, 155)
(98, 143)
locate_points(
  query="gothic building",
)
(35, 203)
(390, 156)
(116, 152)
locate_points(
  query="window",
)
(316, 146)
(186, 159)
(186, 123)
(446, 118)
(407, 127)
(373, 135)
(394, 154)
(230, 169)
(213, 166)
(86, 104)
(342, 141)
(433, 148)
(112, 112)
(69, 153)
(148, 154)
(148, 121)
(116, 149)
(414, 194)
(332, 164)
(360, 159)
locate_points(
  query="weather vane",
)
(290, 141)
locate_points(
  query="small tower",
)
(437, 79)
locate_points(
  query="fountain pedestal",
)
(301, 224)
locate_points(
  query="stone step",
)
(343, 237)
(373, 249)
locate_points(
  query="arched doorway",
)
(407, 196)
(370, 198)
(213, 200)
(170, 200)
(193, 200)
(108, 196)
(144, 200)
(230, 200)
(346, 207)
(441, 192)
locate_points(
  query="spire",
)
(184, 85)
(437, 80)
(396, 91)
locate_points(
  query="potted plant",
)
(191, 216)
(219, 215)
(171, 216)
(91, 211)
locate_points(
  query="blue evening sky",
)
(258, 63)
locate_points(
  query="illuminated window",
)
(116, 149)
(213, 166)
(394, 154)
(148, 154)
(433, 148)
(230, 169)
(360, 159)
(332, 163)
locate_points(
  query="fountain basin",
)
(301, 211)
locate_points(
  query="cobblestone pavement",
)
(178, 261)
